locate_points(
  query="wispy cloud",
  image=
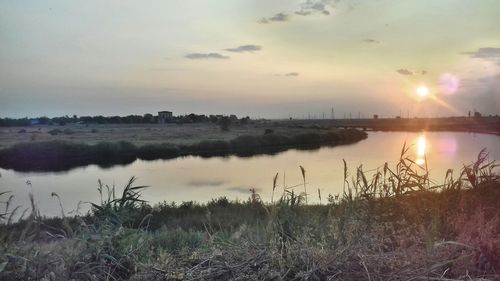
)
(310, 7)
(485, 53)
(279, 17)
(195, 56)
(405, 72)
(306, 8)
(371, 41)
(242, 189)
(245, 48)
(292, 74)
(198, 183)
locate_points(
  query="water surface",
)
(198, 179)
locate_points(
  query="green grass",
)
(392, 224)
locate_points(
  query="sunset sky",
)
(264, 58)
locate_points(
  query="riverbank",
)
(64, 155)
(190, 133)
(391, 224)
(146, 134)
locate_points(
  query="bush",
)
(155, 151)
(246, 142)
(55, 132)
(209, 146)
(68, 131)
(224, 123)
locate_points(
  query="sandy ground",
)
(140, 134)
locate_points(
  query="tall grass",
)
(393, 223)
(59, 155)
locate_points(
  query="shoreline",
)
(54, 156)
(432, 229)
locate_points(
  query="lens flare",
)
(448, 83)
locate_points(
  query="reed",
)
(392, 223)
(60, 155)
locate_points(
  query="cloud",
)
(484, 53)
(198, 183)
(196, 56)
(404, 71)
(306, 8)
(489, 79)
(242, 189)
(311, 7)
(371, 41)
(245, 48)
(279, 17)
(292, 74)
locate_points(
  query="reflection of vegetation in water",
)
(392, 224)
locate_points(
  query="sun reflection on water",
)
(421, 149)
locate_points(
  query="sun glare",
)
(421, 150)
(423, 91)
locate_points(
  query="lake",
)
(201, 179)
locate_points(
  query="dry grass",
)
(143, 134)
(392, 224)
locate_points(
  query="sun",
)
(423, 91)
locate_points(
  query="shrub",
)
(55, 132)
(155, 151)
(224, 123)
(68, 131)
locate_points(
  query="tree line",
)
(129, 119)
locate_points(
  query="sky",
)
(261, 58)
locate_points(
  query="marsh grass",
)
(393, 223)
(61, 155)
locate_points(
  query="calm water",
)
(198, 179)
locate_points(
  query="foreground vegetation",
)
(60, 155)
(393, 224)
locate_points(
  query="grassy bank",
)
(59, 155)
(392, 224)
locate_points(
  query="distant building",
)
(375, 116)
(164, 116)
